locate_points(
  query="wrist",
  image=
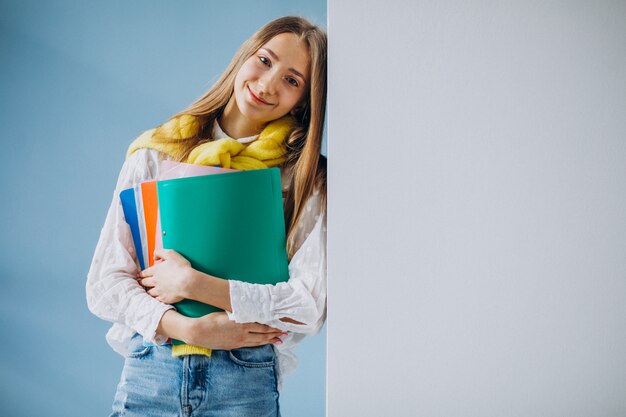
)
(195, 328)
(188, 331)
(190, 283)
(176, 326)
(206, 289)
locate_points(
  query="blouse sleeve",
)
(113, 294)
(303, 297)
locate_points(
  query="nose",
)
(267, 84)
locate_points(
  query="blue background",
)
(79, 81)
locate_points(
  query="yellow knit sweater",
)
(266, 151)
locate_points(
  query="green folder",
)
(228, 225)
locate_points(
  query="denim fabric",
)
(236, 383)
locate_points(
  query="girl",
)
(266, 110)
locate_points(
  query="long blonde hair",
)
(305, 166)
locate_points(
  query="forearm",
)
(175, 326)
(217, 331)
(209, 290)
(118, 298)
(286, 305)
(216, 292)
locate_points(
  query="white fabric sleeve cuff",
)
(150, 334)
(250, 302)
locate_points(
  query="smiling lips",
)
(257, 99)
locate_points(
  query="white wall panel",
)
(477, 208)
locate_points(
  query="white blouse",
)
(114, 295)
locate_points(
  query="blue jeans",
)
(236, 383)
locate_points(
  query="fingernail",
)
(278, 342)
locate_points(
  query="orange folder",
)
(151, 211)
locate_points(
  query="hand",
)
(169, 278)
(217, 331)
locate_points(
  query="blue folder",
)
(130, 213)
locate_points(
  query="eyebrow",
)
(277, 60)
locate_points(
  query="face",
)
(273, 80)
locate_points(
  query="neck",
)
(235, 124)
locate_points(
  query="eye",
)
(294, 83)
(264, 60)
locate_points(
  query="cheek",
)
(246, 73)
(294, 98)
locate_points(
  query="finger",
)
(261, 342)
(253, 344)
(158, 253)
(164, 254)
(148, 282)
(263, 338)
(153, 292)
(148, 272)
(261, 328)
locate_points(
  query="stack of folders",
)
(226, 223)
